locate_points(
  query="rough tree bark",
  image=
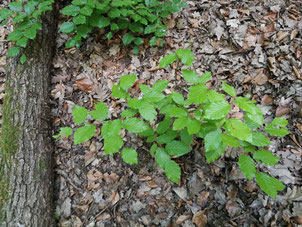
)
(26, 148)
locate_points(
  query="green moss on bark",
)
(9, 146)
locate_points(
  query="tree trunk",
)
(26, 185)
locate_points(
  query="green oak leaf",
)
(229, 89)
(84, 133)
(113, 144)
(177, 148)
(127, 81)
(266, 157)
(186, 56)
(247, 165)
(269, 184)
(64, 131)
(129, 156)
(216, 110)
(135, 125)
(148, 111)
(79, 114)
(173, 171)
(101, 112)
(167, 60)
(180, 123)
(161, 157)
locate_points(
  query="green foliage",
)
(170, 122)
(129, 156)
(64, 132)
(137, 16)
(26, 18)
(100, 113)
(79, 114)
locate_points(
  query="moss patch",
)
(9, 145)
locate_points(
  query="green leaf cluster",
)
(26, 18)
(137, 17)
(170, 122)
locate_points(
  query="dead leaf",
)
(293, 137)
(89, 157)
(76, 221)
(114, 198)
(85, 84)
(113, 177)
(270, 27)
(293, 34)
(261, 78)
(200, 219)
(266, 99)
(145, 178)
(271, 63)
(299, 126)
(181, 219)
(282, 110)
(59, 78)
(202, 200)
(94, 175)
(296, 71)
(244, 11)
(281, 35)
(232, 208)
(170, 23)
(298, 219)
(272, 16)
(103, 217)
(153, 184)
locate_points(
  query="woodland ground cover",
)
(255, 48)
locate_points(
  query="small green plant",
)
(26, 18)
(135, 17)
(171, 122)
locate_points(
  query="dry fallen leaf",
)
(152, 184)
(282, 110)
(103, 217)
(201, 200)
(293, 137)
(232, 208)
(266, 99)
(272, 16)
(296, 71)
(200, 219)
(260, 79)
(293, 34)
(298, 219)
(170, 23)
(76, 221)
(85, 84)
(145, 178)
(181, 219)
(89, 157)
(299, 126)
(114, 198)
(281, 35)
(94, 175)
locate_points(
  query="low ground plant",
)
(170, 122)
(133, 19)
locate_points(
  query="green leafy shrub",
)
(171, 122)
(26, 18)
(135, 17)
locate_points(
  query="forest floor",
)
(254, 46)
